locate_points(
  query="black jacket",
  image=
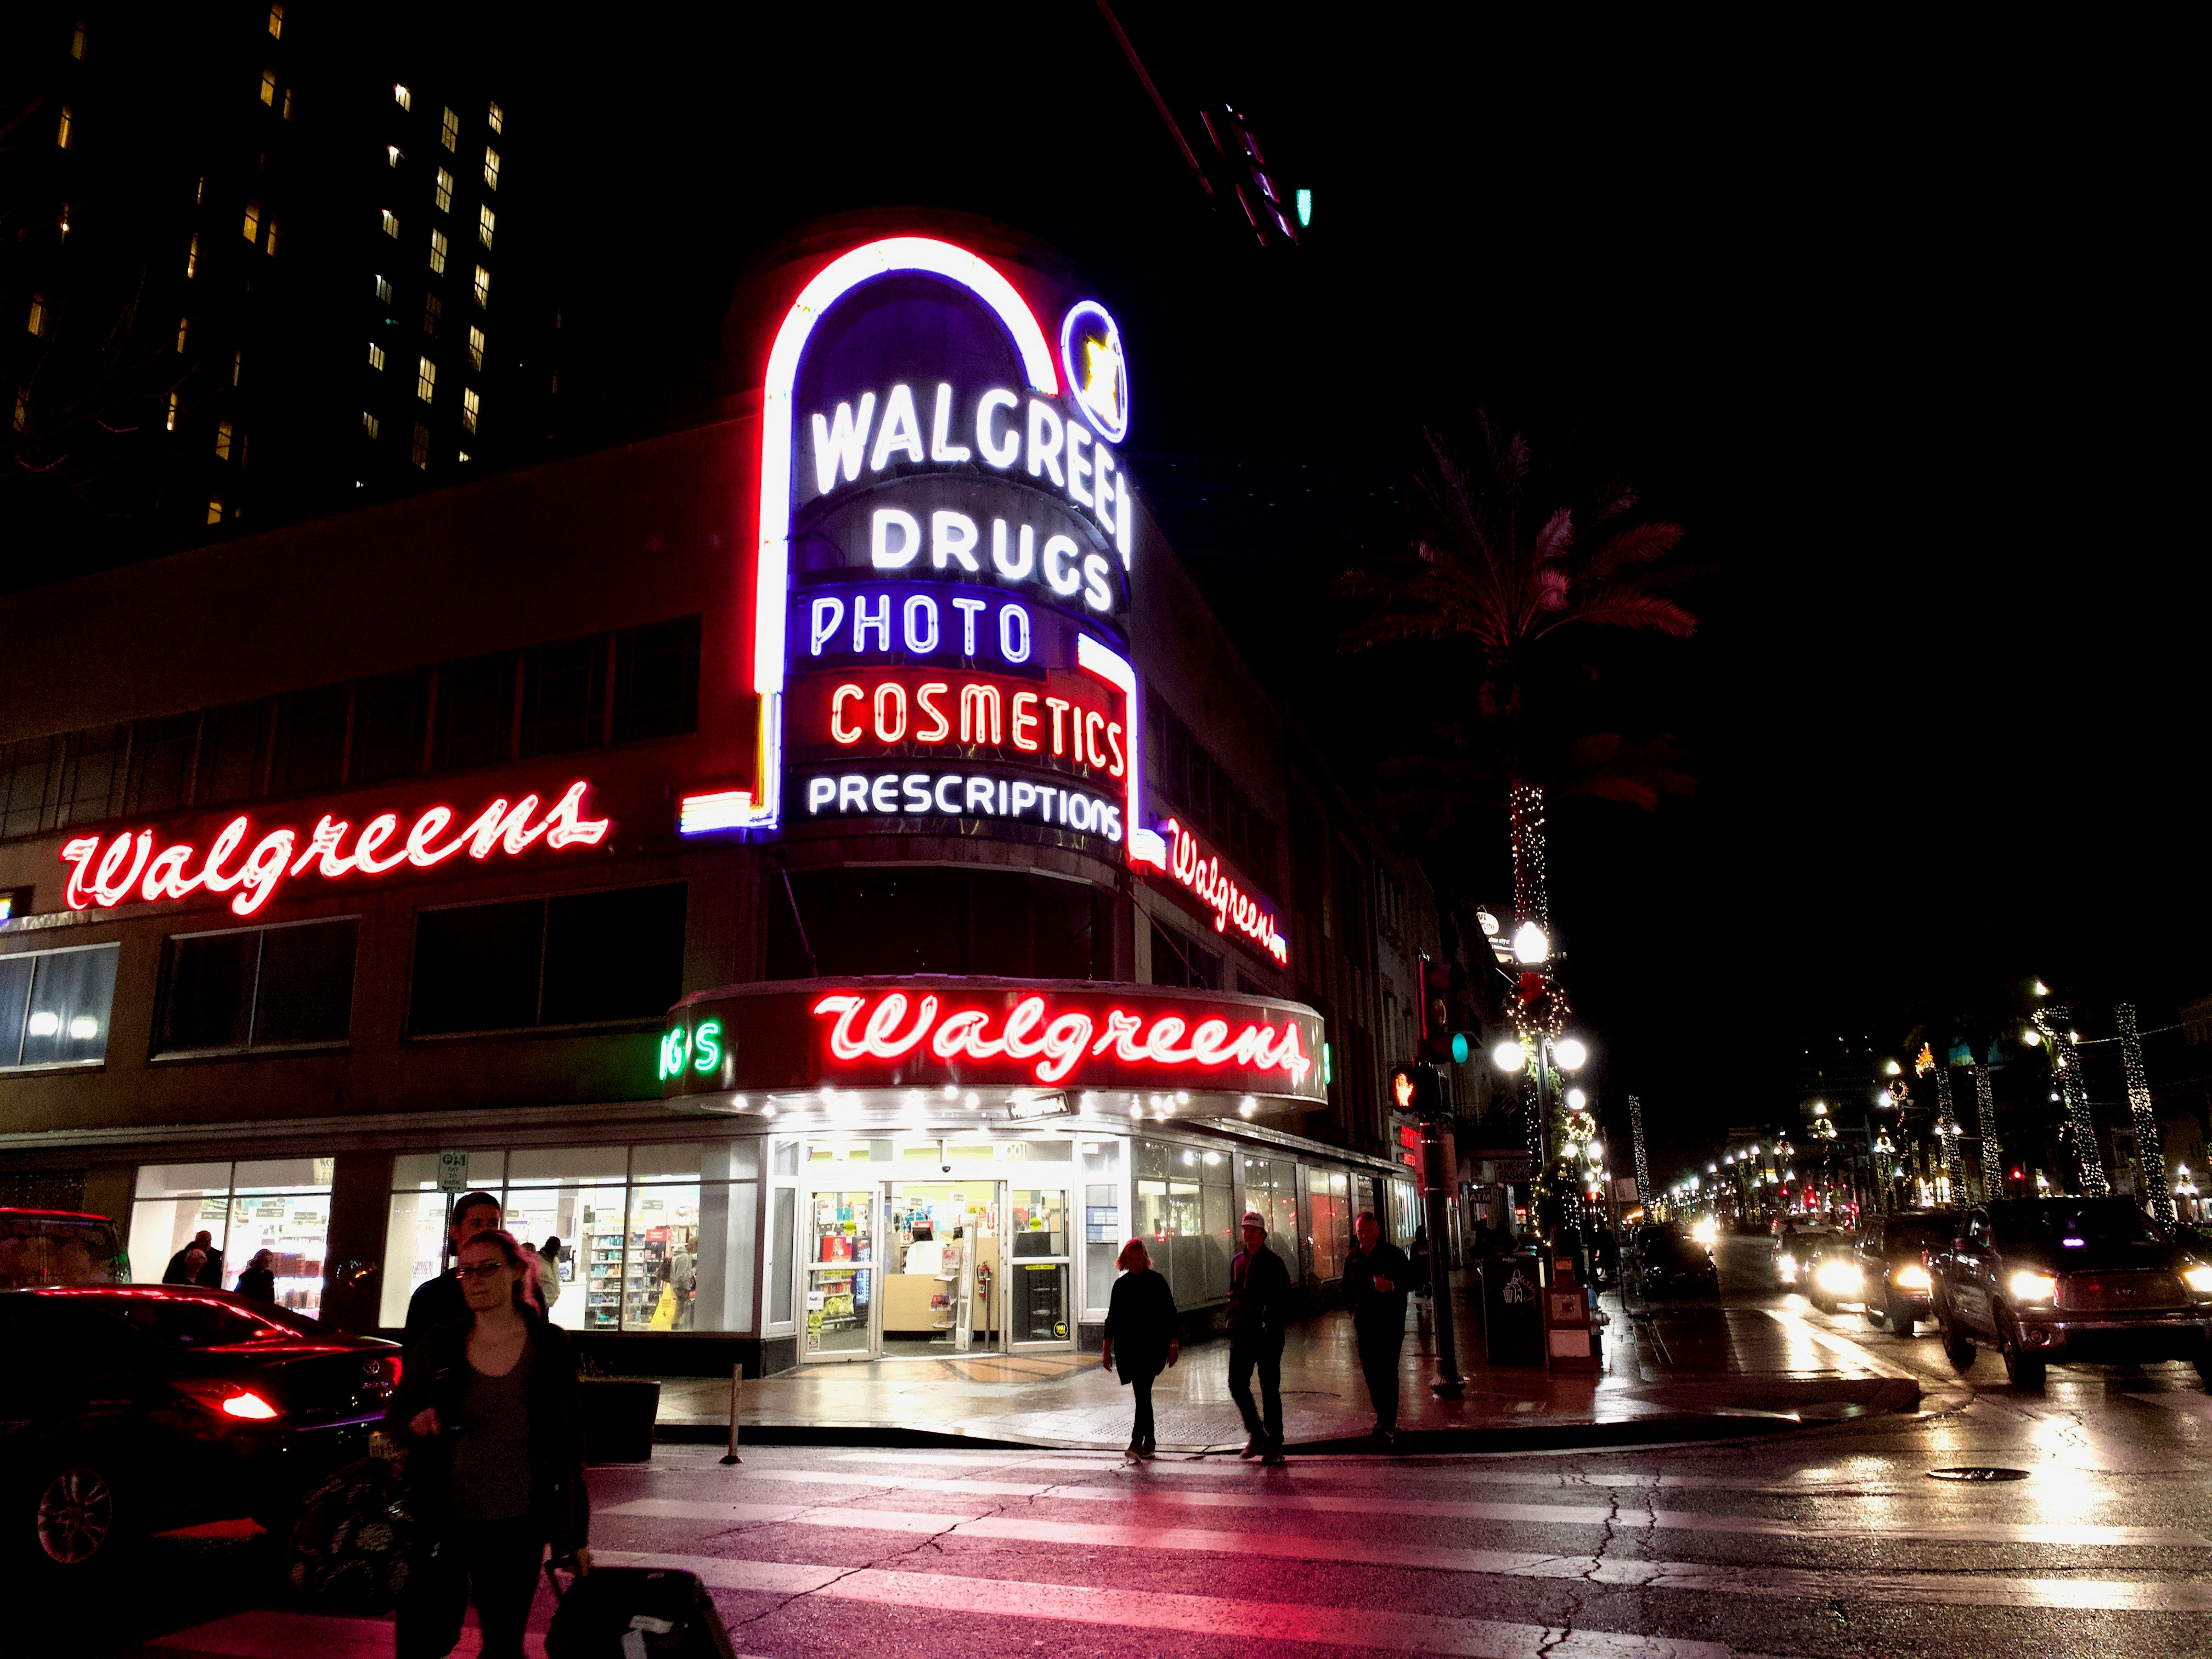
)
(1140, 1322)
(1261, 1302)
(259, 1283)
(210, 1271)
(1378, 1313)
(435, 1373)
(436, 1302)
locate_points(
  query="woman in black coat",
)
(1141, 1328)
(487, 1407)
(259, 1278)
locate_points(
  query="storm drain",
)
(1977, 1474)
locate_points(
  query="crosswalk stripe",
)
(2075, 1535)
(1790, 1319)
(1939, 1588)
(1199, 1615)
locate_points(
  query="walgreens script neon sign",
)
(896, 1026)
(127, 867)
(1231, 905)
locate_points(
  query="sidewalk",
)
(1725, 1373)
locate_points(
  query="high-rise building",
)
(262, 262)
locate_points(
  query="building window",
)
(449, 130)
(192, 257)
(497, 119)
(277, 22)
(67, 128)
(391, 721)
(215, 509)
(233, 739)
(269, 88)
(391, 222)
(309, 753)
(486, 220)
(223, 440)
(22, 415)
(54, 1005)
(279, 1205)
(885, 920)
(184, 328)
(252, 230)
(426, 378)
(175, 401)
(287, 109)
(491, 169)
(462, 456)
(476, 348)
(433, 309)
(443, 191)
(401, 97)
(64, 226)
(483, 289)
(656, 680)
(237, 366)
(383, 290)
(77, 47)
(375, 355)
(271, 243)
(39, 315)
(261, 988)
(370, 424)
(475, 712)
(469, 407)
(438, 252)
(578, 959)
(564, 696)
(1182, 1204)
(1179, 960)
(420, 455)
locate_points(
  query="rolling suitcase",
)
(635, 1612)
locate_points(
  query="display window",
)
(1271, 1187)
(279, 1205)
(1103, 1234)
(1183, 1204)
(1329, 1230)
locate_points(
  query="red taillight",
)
(247, 1404)
(392, 1360)
(230, 1398)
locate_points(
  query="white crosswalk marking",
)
(1200, 1615)
(1852, 1355)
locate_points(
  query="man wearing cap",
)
(1260, 1308)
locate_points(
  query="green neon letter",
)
(706, 1041)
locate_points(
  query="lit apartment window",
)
(286, 111)
(391, 222)
(215, 509)
(476, 348)
(449, 130)
(469, 407)
(426, 378)
(23, 409)
(421, 453)
(77, 43)
(269, 88)
(401, 97)
(199, 193)
(491, 167)
(39, 315)
(433, 309)
(277, 22)
(375, 355)
(392, 155)
(482, 287)
(271, 243)
(175, 401)
(462, 458)
(444, 190)
(438, 252)
(498, 118)
(193, 256)
(223, 440)
(383, 290)
(253, 222)
(486, 220)
(64, 221)
(184, 328)
(237, 366)
(369, 423)
(69, 122)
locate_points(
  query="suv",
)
(2070, 1279)
(1893, 1261)
(59, 1247)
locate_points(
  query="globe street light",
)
(1569, 1053)
(1532, 946)
(1509, 1056)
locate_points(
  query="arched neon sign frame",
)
(920, 255)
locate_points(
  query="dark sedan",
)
(2067, 1279)
(1893, 1266)
(133, 1409)
(1663, 1264)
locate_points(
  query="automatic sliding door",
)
(1039, 1266)
(841, 1275)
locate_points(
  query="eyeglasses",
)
(482, 1270)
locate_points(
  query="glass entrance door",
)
(841, 1275)
(1039, 1267)
(944, 1289)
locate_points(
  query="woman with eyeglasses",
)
(495, 1460)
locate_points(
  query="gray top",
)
(491, 1460)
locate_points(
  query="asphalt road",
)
(1831, 1541)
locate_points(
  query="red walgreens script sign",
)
(861, 1034)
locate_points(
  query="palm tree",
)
(1490, 569)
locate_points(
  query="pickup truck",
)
(2046, 1280)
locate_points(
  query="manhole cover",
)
(1978, 1474)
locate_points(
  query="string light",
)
(1992, 1159)
(1643, 1167)
(2147, 1141)
(2066, 1070)
(1947, 1126)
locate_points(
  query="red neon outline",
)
(1188, 864)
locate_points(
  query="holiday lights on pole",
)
(1643, 1166)
(1946, 1121)
(2148, 1149)
(1992, 1158)
(2066, 1068)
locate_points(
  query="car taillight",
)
(230, 1398)
(247, 1404)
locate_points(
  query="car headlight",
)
(2034, 1287)
(1911, 1276)
(2198, 1279)
(1838, 1276)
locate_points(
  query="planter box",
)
(619, 1414)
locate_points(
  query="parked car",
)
(128, 1410)
(1666, 1263)
(2066, 1280)
(59, 1247)
(1894, 1265)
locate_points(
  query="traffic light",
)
(1252, 181)
(1439, 1040)
(1415, 1091)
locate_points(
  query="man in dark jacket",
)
(1376, 1277)
(207, 1272)
(1260, 1308)
(439, 1300)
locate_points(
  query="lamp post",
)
(1566, 1055)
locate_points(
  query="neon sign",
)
(1097, 371)
(700, 1048)
(958, 795)
(1067, 717)
(1231, 905)
(128, 868)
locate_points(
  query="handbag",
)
(352, 1541)
(635, 1612)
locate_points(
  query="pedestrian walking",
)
(1260, 1308)
(259, 1280)
(488, 1409)
(1420, 1263)
(439, 1300)
(1376, 1276)
(1141, 1339)
(199, 1263)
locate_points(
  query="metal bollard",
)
(737, 1394)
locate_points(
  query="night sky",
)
(1891, 320)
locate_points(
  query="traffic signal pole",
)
(1449, 1384)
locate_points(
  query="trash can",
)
(1513, 1309)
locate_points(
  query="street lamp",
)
(1532, 946)
(1569, 1053)
(1509, 1055)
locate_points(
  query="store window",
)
(1103, 1234)
(1271, 1187)
(1182, 1213)
(652, 1238)
(1405, 1210)
(940, 921)
(574, 960)
(1328, 1227)
(260, 988)
(279, 1205)
(783, 1238)
(54, 1005)
(1178, 959)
